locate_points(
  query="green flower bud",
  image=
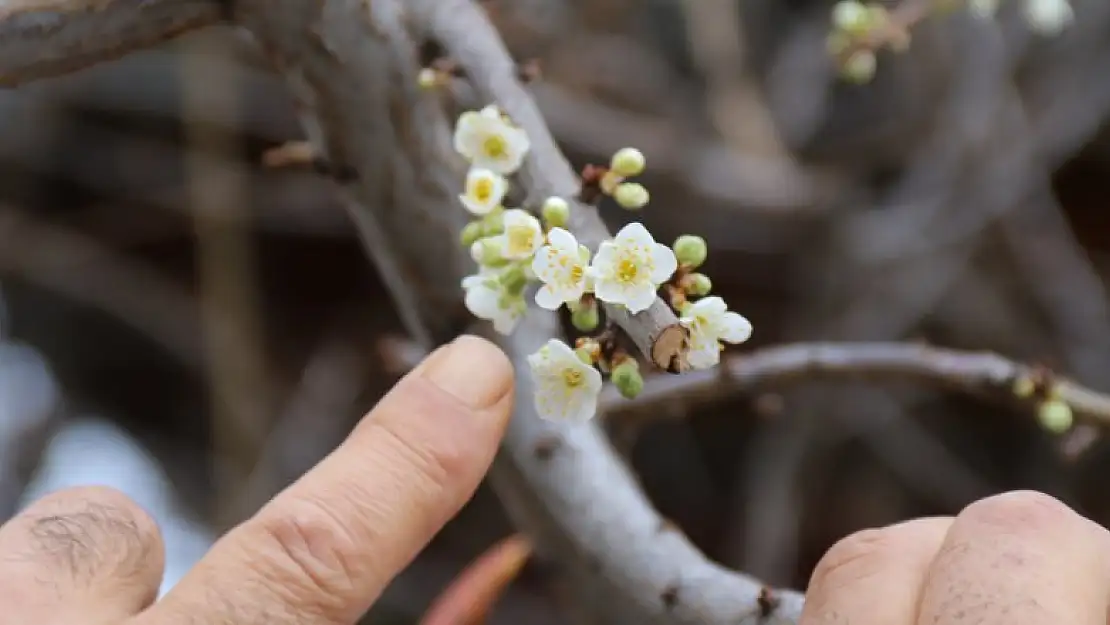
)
(627, 162)
(690, 250)
(860, 67)
(471, 233)
(486, 251)
(1024, 387)
(556, 212)
(626, 377)
(1055, 416)
(493, 223)
(631, 195)
(585, 318)
(698, 284)
(852, 17)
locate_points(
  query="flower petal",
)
(608, 291)
(710, 307)
(663, 263)
(704, 355)
(634, 234)
(733, 327)
(547, 298)
(563, 241)
(638, 300)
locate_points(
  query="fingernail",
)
(472, 369)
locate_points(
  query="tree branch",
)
(43, 38)
(984, 374)
(465, 32)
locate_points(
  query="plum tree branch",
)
(43, 38)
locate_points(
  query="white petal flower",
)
(523, 234)
(486, 298)
(1048, 17)
(710, 322)
(561, 266)
(629, 269)
(566, 388)
(484, 191)
(490, 141)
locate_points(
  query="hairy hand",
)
(1020, 558)
(320, 552)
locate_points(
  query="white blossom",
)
(710, 322)
(629, 269)
(561, 265)
(567, 389)
(489, 140)
(522, 236)
(484, 191)
(487, 298)
(1048, 17)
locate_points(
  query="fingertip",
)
(471, 369)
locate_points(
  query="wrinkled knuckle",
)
(855, 558)
(1019, 511)
(312, 557)
(95, 530)
(439, 460)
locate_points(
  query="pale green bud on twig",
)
(1055, 416)
(690, 250)
(627, 378)
(556, 212)
(631, 195)
(627, 162)
(698, 284)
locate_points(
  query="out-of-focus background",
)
(196, 329)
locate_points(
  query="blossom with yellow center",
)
(487, 297)
(710, 322)
(485, 189)
(567, 389)
(561, 266)
(629, 269)
(489, 140)
(523, 234)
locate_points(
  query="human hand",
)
(1021, 558)
(320, 552)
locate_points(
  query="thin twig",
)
(985, 374)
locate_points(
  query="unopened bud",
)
(852, 17)
(690, 250)
(627, 162)
(585, 317)
(428, 78)
(626, 377)
(631, 195)
(584, 355)
(514, 280)
(698, 284)
(556, 212)
(1055, 416)
(1024, 387)
(486, 251)
(860, 67)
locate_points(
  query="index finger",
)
(323, 550)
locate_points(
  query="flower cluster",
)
(860, 30)
(515, 248)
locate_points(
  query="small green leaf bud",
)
(556, 212)
(698, 284)
(690, 250)
(631, 195)
(471, 233)
(627, 162)
(514, 280)
(585, 317)
(626, 377)
(1055, 416)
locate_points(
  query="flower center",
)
(572, 377)
(520, 238)
(576, 273)
(483, 190)
(494, 146)
(627, 270)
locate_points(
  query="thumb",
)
(323, 550)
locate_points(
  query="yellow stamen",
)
(494, 146)
(627, 270)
